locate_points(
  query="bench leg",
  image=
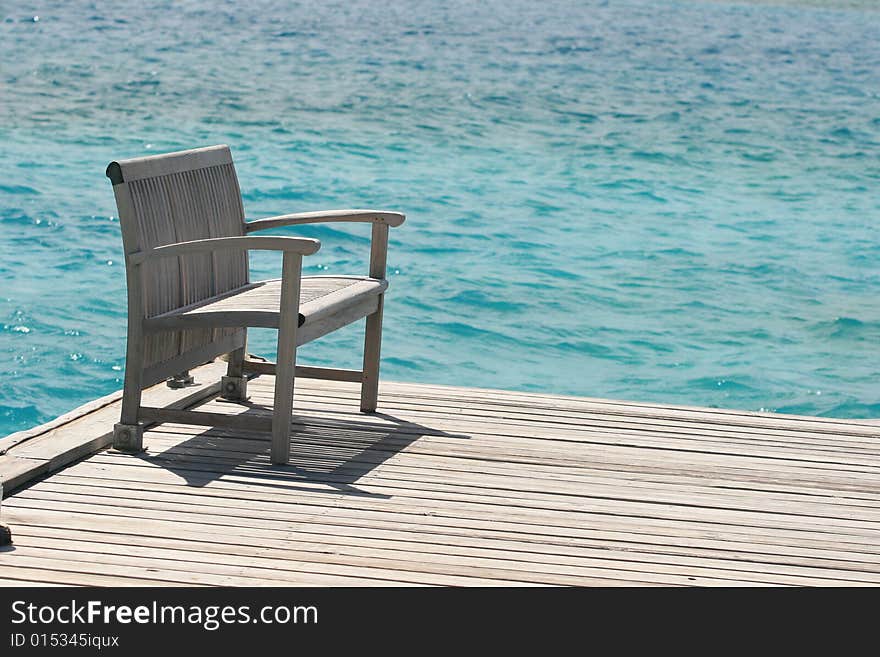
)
(233, 386)
(128, 433)
(283, 409)
(372, 348)
(285, 369)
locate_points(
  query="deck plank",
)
(454, 486)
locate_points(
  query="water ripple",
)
(600, 202)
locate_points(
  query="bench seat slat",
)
(256, 304)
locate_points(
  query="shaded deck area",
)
(451, 486)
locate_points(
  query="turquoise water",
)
(666, 201)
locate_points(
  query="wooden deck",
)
(452, 486)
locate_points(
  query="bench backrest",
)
(177, 197)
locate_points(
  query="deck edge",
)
(49, 447)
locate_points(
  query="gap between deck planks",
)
(449, 486)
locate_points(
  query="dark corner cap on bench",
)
(114, 173)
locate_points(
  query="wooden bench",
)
(190, 297)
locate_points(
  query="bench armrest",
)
(301, 245)
(373, 216)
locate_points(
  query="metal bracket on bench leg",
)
(128, 437)
(181, 380)
(234, 388)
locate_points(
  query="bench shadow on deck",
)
(337, 453)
